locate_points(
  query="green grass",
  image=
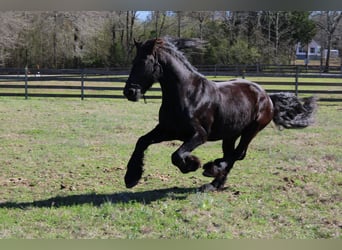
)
(63, 161)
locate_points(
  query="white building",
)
(314, 50)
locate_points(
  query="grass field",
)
(63, 161)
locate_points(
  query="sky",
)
(142, 15)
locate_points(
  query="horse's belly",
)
(229, 124)
(176, 129)
(219, 133)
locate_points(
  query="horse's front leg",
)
(182, 157)
(136, 162)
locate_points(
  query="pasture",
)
(63, 161)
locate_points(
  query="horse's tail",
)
(292, 112)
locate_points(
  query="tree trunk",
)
(327, 58)
(307, 55)
(127, 30)
(55, 42)
(162, 25)
(133, 16)
(277, 34)
(178, 24)
(156, 13)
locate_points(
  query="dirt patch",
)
(16, 181)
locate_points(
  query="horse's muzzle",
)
(132, 94)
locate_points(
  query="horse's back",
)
(241, 92)
(239, 85)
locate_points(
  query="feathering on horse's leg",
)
(136, 162)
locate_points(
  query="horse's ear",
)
(153, 44)
(158, 41)
(137, 43)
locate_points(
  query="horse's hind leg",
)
(220, 168)
(223, 168)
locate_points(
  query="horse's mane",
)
(168, 46)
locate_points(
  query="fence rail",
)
(108, 83)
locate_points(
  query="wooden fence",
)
(108, 83)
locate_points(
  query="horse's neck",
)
(176, 78)
(179, 82)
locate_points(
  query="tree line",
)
(67, 39)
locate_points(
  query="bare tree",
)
(159, 18)
(130, 20)
(328, 21)
(201, 17)
(12, 24)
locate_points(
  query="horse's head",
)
(145, 71)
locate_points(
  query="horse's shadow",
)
(144, 197)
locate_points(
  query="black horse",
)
(195, 110)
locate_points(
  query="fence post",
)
(82, 85)
(296, 79)
(26, 84)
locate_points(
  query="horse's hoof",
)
(192, 163)
(131, 184)
(206, 173)
(207, 188)
(132, 180)
(209, 170)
